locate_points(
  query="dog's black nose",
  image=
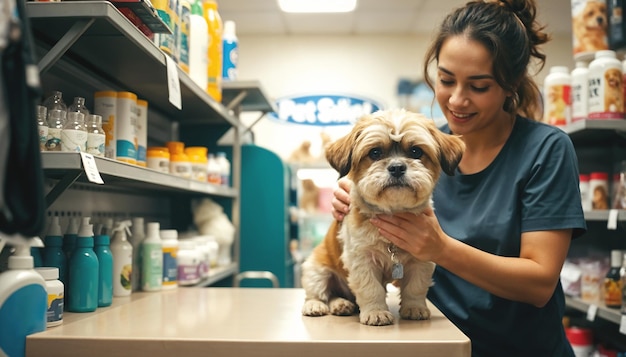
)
(397, 170)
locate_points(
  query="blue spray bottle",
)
(105, 272)
(53, 255)
(23, 297)
(83, 272)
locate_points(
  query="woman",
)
(504, 222)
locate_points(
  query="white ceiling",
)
(372, 17)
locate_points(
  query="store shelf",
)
(603, 215)
(68, 168)
(96, 36)
(609, 314)
(596, 132)
(249, 95)
(218, 273)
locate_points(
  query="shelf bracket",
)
(64, 43)
(235, 102)
(66, 181)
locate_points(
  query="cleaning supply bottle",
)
(214, 71)
(23, 297)
(83, 271)
(169, 241)
(69, 238)
(198, 45)
(136, 238)
(152, 259)
(122, 259)
(105, 269)
(53, 255)
(230, 51)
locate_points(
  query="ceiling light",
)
(312, 6)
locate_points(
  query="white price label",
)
(622, 325)
(591, 312)
(173, 82)
(91, 170)
(611, 224)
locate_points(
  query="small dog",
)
(613, 93)
(210, 219)
(394, 159)
(309, 199)
(590, 27)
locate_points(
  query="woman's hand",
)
(341, 199)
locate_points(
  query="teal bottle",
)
(53, 255)
(83, 272)
(35, 252)
(105, 272)
(69, 238)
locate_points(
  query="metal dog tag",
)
(397, 271)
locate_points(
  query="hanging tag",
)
(91, 170)
(173, 82)
(397, 271)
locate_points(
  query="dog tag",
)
(397, 271)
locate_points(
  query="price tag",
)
(622, 325)
(611, 224)
(591, 312)
(173, 82)
(91, 170)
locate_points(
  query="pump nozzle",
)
(21, 258)
(123, 226)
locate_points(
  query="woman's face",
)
(466, 89)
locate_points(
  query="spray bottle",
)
(23, 297)
(122, 259)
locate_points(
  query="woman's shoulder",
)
(535, 132)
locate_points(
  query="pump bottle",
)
(83, 272)
(152, 259)
(53, 255)
(122, 259)
(105, 269)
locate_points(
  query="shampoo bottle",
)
(136, 238)
(53, 255)
(105, 269)
(152, 259)
(83, 272)
(23, 297)
(69, 238)
(122, 259)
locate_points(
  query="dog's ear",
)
(451, 149)
(339, 154)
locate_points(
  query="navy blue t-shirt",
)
(531, 185)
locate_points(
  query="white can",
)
(105, 105)
(142, 132)
(606, 95)
(126, 128)
(580, 91)
(557, 98)
(55, 290)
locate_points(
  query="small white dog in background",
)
(210, 219)
(394, 159)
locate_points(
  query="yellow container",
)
(158, 158)
(175, 147)
(213, 19)
(105, 105)
(198, 158)
(180, 165)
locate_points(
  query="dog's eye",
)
(416, 152)
(376, 154)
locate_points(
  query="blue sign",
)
(323, 110)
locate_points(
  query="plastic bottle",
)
(56, 293)
(56, 121)
(557, 96)
(612, 281)
(36, 253)
(580, 91)
(214, 72)
(55, 102)
(158, 158)
(53, 255)
(142, 131)
(169, 240)
(606, 91)
(184, 35)
(197, 156)
(152, 259)
(74, 133)
(224, 163)
(205, 253)
(188, 262)
(42, 126)
(23, 297)
(126, 127)
(214, 170)
(122, 259)
(96, 138)
(82, 294)
(198, 45)
(78, 106)
(166, 41)
(136, 239)
(230, 50)
(105, 105)
(105, 270)
(69, 238)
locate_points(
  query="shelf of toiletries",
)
(594, 310)
(96, 35)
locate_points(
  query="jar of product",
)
(169, 240)
(580, 91)
(599, 190)
(198, 158)
(581, 340)
(158, 158)
(606, 93)
(55, 290)
(584, 192)
(175, 147)
(96, 137)
(74, 133)
(557, 98)
(56, 121)
(188, 262)
(205, 252)
(180, 165)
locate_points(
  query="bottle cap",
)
(229, 28)
(48, 273)
(55, 227)
(86, 229)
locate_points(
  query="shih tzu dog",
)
(394, 159)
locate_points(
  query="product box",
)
(589, 28)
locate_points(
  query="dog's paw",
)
(315, 308)
(342, 307)
(414, 313)
(376, 318)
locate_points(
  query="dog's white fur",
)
(394, 159)
(210, 219)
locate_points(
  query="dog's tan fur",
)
(590, 28)
(350, 268)
(613, 92)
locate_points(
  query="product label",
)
(54, 139)
(22, 313)
(580, 92)
(43, 137)
(170, 267)
(106, 107)
(55, 308)
(188, 274)
(95, 144)
(73, 140)
(606, 94)
(558, 104)
(231, 56)
(183, 45)
(152, 267)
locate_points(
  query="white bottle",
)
(136, 239)
(580, 91)
(74, 133)
(198, 45)
(55, 290)
(188, 259)
(557, 96)
(214, 170)
(152, 259)
(122, 252)
(230, 51)
(606, 97)
(169, 239)
(96, 138)
(224, 164)
(42, 126)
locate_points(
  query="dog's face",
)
(613, 78)
(394, 158)
(593, 16)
